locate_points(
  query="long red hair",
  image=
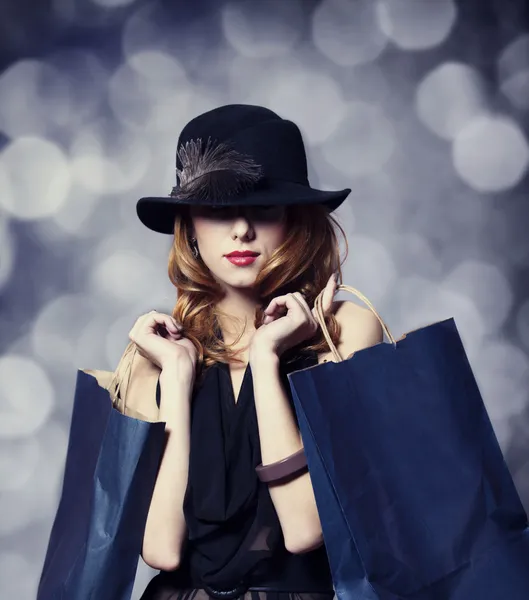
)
(304, 262)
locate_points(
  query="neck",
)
(238, 314)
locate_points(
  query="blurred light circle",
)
(38, 499)
(300, 95)
(491, 153)
(90, 348)
(410, 251)
(375, 287)
(38, 178)
(415, 24)
(363, 142)
(18, 577)
(126, 273)
(502, 373)
(131, 100)
(26, 396)
(56, 329)
(197, 40)
(513, 71)
(449, 97)
(505, 231)
(142, 29)
(103, 336)
(34, 98)
(516, 88)
(419, 302)
(19, 505)
(84, 14)
(373, 206)
(369, 84)
(147, 28)
(18, 462)
(116, 334)
(456, 216)
(158, 67)
(148, 93)
(107, 170)
(488, 288)
(90, 166)
(73, 218)
(522, 323)
(53, 440)
(348, 32)
(263, 29)
(87, 81)
(123, 276)
(7, 245)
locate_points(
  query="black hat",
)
(235, 155)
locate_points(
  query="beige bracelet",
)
(284, 468)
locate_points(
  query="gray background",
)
(421, 106)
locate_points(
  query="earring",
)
(194, 247)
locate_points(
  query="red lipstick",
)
(242, 257)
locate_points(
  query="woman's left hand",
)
(288, 321)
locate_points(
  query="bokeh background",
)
(421, 106)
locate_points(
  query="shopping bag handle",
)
(318, 304)
(123, 371)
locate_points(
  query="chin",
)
(243, 282)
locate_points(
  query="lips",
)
(242, 254)
(242, 260)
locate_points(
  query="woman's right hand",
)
(160, 339)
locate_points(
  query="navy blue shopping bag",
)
(415, 499)
(111, 467)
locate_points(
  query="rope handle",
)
(123, 370)
(318, 304)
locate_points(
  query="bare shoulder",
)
(359, 328)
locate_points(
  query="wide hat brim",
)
(158, 213)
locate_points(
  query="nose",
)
(242, 225)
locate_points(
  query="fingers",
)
(329, 293)
(157, 323)
(303, 304)
(157, 319)
(273, 311)
(283, 304)
(279, 304)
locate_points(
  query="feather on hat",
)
(214, 172)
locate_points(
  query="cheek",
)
(209, 233)
(278, 233)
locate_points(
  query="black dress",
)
(235, 546)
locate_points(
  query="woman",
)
(220, 524)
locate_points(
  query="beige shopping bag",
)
(132, 386)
